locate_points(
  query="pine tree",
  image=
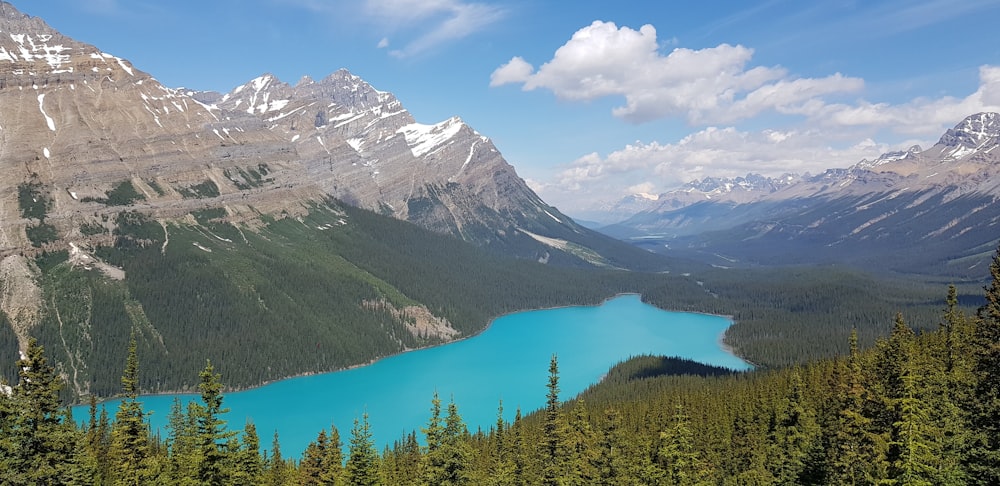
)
(212, 434)
(333, 461)
(519, 476)
(502, 469)
(129, 452)
(278, 471)
(456, 452)
(433, 467)
(984, 458)
(554, 433)
(854, 445)
(680, 460)
(182, 465)
(795, 435)
(247, 465)
(38, 441)
(311, 466)
(581, 446)
(362, 464)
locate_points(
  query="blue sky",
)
(591, 100)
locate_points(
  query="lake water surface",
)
(508, 361)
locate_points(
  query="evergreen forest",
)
(916, 408)
(269, 298)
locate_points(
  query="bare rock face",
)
(360, 145)
(76, 122)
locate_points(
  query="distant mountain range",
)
(927, 211)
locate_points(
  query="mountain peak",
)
(12, 21)
(888, 157)
(975, 133)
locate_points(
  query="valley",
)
(925, 214)
(292, 256)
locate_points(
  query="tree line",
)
(916, 408)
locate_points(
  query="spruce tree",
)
(182, 466)
(311, 466)
(608, 464)
(456, 450)
(519, 450)
(278, 472)
(502, 469)
(362, 464)
(212, 434)
(333, 461)
(129, 451)
(38, 441)
(677, 455)
(581, 446)
(247, 465)
(554, 433)
(853, 444)
(795, 434)
(433, 467)
(914, 462)
(984, 458)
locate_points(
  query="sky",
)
(592, 100)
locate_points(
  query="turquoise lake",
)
(507, 361)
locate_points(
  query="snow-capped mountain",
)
(77, 122)
(361, 145)
(86, 137)
(935, 207)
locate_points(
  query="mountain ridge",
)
(99, 158)
(942, 197)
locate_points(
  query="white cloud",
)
(828, 138)
(517, 70)
(708, 85)
(925, 117)
(654, 167)
(814, 123)
(434, 22)
(428, 24)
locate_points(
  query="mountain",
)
(209, 221)
(927, 211)
(78, 122)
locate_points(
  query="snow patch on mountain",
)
(48, 119)
(424, 139)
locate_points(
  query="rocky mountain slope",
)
(98, 159)
(932, 210)
(78, 122)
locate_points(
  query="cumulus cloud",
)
(828, 138)
(718, 91)
(708, 85)
(654, 167)
(517, 70)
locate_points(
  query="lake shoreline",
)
(721, 342)
(507, 363)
